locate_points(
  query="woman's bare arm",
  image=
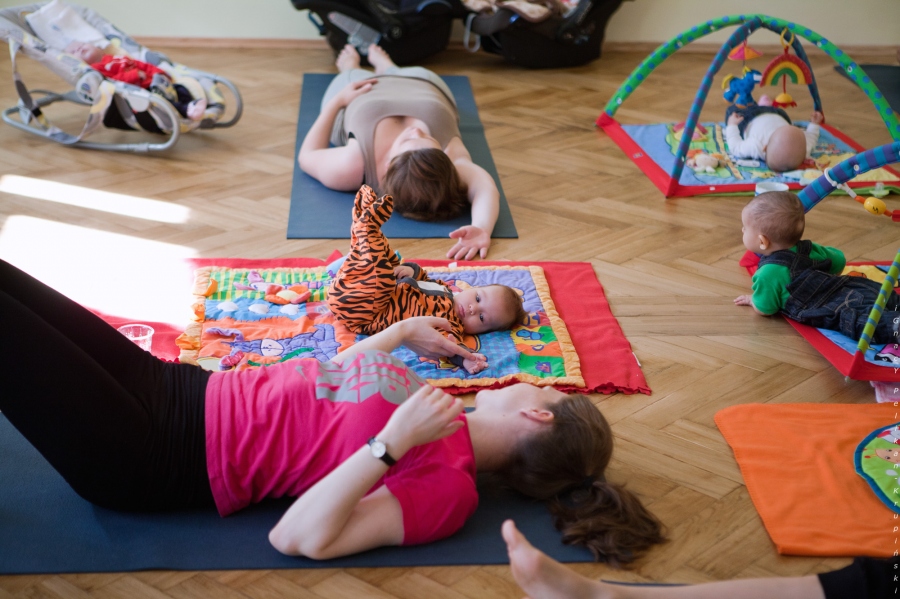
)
(341, 168)
(418, 334)
(474, 239)
(335, 517)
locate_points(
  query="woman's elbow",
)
(284, 543)
(295, 544)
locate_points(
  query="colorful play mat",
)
(668, 153)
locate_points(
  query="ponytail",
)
(607, 519)
(566, 466)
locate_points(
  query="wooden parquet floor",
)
(669, 268)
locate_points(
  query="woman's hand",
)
(420, 335)
(428, 415)
(470, 241)
(352, 91)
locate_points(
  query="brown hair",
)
(779, 216)
(512, 306)
(566, 466)
(425, 185)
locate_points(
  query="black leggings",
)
(123, 428)
(865, 578)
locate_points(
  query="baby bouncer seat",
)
(113, 104)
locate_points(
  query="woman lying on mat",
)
(397, 130)
(374, 455)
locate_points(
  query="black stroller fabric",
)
(558, 41)
(408, 30)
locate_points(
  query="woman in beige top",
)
(397, 130)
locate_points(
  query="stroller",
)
(113, 104)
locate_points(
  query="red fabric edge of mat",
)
(858, 370)
(579, 299)
(663, 180)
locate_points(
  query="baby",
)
(766, 132)
(372, 290)
(800, 278)
(121, 67)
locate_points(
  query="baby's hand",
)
(743, 300)
(735, 119)
(475, 365)
(403, 271)
(817, 117)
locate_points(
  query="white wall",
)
(860, 22)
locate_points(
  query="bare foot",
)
(543, 577)
(347, 59)
(379, 59)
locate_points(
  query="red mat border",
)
(579, 299)
(672, 189)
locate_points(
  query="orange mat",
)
(797, 463)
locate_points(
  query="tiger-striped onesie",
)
(366, 296)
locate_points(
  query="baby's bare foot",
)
(379, 59)
(347, 59)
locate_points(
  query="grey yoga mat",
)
(321, 213)
(45, 527)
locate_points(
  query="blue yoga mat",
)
(45, 528)
(321, 213)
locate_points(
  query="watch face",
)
(378, 449)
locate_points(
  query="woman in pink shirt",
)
(374, 455)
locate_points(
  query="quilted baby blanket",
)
(250, 314)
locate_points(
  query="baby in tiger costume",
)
(372, 290)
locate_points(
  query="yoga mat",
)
(321, 213)
(797, 461)
(45, 527)
(885, 77)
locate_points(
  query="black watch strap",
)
(380, 451)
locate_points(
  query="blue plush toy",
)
(739, 91)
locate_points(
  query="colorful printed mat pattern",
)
(660, 142)
(877, 460)
(248, 318)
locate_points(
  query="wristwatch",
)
(380, 451)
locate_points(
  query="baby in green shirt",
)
(801, 279)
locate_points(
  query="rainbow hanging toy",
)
(784, 67)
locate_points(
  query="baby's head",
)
(786, 149)
(772, 221)
(89, 53)
(489, 308)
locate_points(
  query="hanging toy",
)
(872, 205)
(739, 90)
(784, 67)
(743, 53)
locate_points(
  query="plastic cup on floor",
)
(140, 334)
(764, 186)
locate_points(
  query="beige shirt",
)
(397, 96)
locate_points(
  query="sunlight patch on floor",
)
(117, 274)
(104, 201)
